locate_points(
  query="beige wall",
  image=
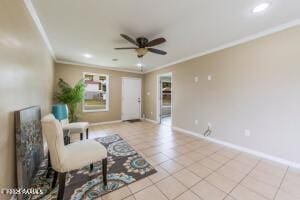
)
(254, 86)
(27, 73)
(73, 73)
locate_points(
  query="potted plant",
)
(71, 96)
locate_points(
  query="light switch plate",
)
(247, 132)
(209, 77)
(196, 79)
(209, 125)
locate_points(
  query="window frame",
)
(107, 93)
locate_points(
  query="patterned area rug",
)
(125, 166)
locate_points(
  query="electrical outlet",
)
(209, 125)
(148, 93)
(151, 113)
(196, 122)
(247, 133)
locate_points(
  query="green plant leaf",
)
(71, 96)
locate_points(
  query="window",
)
(96, 95)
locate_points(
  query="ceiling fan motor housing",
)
(142, 41)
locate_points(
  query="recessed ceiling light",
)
(139, 64)
(261, 7)
(115, 59)
(87, 55)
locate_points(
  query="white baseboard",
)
(240, 148)
(102, 123)
(150, 120)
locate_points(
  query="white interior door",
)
(131, 98)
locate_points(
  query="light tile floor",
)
(191, 168)
(166, 121)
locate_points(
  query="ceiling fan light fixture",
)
(141, 52)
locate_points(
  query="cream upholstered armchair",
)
(60, 111)
(66, 158)
(75, 127)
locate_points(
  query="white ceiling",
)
(76, 27)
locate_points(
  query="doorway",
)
(164, 93)
(131, 98)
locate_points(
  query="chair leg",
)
(104, 171)
(61, 190)
(81, 136)
(49, 168)
(91, 167)
(54, 179)
(87, 133)
(66, 140)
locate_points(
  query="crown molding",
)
(39, 25)
(42, 31)
(249, 38)
(97, 66)
(233, 43)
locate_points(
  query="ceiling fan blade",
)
(126, 48)
(129, 39)
(157, 51)
(156, 42)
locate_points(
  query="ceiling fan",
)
(143, 45)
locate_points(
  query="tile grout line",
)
(214, 171)
(161, 191)
(206, 156)
(185, 185)
(131, 193)
(169, 175)
(202, 179)
(153, 146)
(153, 184)
(143, 188)
(188, 188)
(246, 175)
(257, 181)
(181, 154)
(264, 182)
(286, 171)
(175, 196)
